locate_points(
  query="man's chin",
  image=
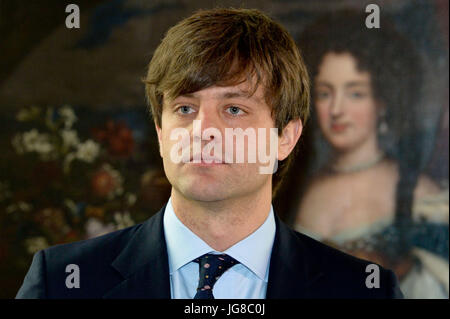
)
(206, 192)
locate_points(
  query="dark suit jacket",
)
(133, 263)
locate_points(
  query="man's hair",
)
(227, 47)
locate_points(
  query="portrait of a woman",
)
(369, 197)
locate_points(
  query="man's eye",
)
(234, 110)
(185, 109)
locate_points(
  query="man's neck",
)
(221, 224)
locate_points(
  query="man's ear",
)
(158, 132)
(289, 138)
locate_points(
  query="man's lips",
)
(204, 161)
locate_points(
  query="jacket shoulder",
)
(346, 276)
(103, 247)
(92, 258)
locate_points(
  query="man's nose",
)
(209, 119)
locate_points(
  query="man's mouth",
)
(206, 160)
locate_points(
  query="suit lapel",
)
(144, 266)
(293, 268)
(143, 263)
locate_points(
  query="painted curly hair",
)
(396, 76)
(389, 57)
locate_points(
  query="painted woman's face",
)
(344, 102)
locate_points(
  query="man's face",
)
(219, 107)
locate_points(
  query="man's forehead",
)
(242, 90)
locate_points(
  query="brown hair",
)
(222, 47)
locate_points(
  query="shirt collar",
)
(253, 251)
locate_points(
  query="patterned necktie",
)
(211, 267)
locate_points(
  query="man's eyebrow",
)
(232, 94)
(190, 95)
(226, 95)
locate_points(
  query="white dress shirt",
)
(247, 280)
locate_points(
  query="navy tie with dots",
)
(211, 267)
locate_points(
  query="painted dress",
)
(426, 238)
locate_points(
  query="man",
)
(218, 236)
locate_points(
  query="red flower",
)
(117, 137)
(103, 183)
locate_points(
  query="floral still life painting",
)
(61, 183)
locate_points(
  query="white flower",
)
(27, 114)
(23, 115)
(95, 228)
(131, 199)
(29, 139)
(17, 143)
(123, 220)
(68, 116)
(118, 190)
(33, 141)
(36, 244)
(69, 158)
(87, 151)
(71, 205)
(70, 138)
(43, 146)
(24, 206)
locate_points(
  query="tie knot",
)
(210, 260)
(211, 267)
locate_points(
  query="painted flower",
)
(107, 182)
(29, 139)
(35, 244)
(87, 151)
(27, 114)
(52, 219)
(123, 220)
(131, 199)
(45, 149)
(68, 116)
(33, 141)
(117, 137)
(95, 211)
(17, 144)
(19, 206)
(70, 138)
(95, 228)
